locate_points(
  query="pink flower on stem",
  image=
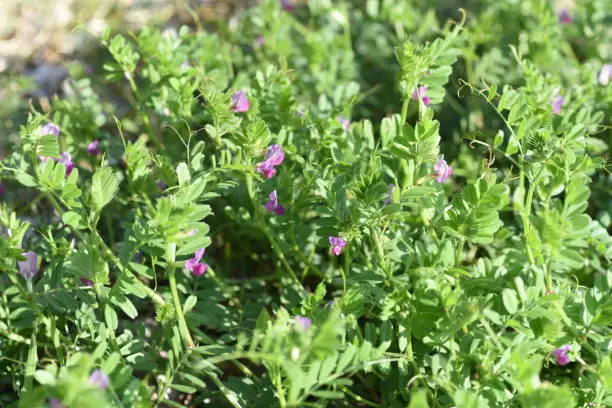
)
(605, 74)
(28, 268)
(55, 403)
(560, 355)
(240, 103)
(99, 379)
(442, 171)
(421, 93)
(50, 129)
(337, 244)
(346, 123)
(194, 265)
(565, 17)
(273, 206)
(557, 103)
(287, 5)
(303, 322)
(66, 160)
(274, 157)
(93, 148)
(390, 194)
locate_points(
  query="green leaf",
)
(184, 388)
(182, 172)
(104, 186)
(419, 399)
(510, 300)
(474, 214)
(44, 377)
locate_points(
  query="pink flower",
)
(303, 322)
(273, 206)
(99, 379)
(50, 129)
(556, 104)
(93, 148)
(337, 244)
(260, 40)
(2, 189)
(55, 403)
(86, 282)
(560, 355)
(194, 265)
(287, 5)
(565, 17)
(66, 160)
(390, 194)
(240, 102)
(605, 74)
(420, 93)
(274, 157)
(442, 171)
(346, 123)
(28, 268)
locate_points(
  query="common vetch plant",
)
(372, 203)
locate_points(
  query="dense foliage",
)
(400, 205)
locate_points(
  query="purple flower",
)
(287, 5)
(346, 123)
(442, 171)
(390, 194)
(299, 113)
(605, 74)
(556, 104)
(86, 282)
(420, 93)
(194, 265)
(55, 403)
(28, 268)
(99, 379)
(274, 157)
(560, 355)
(66, 160)
(565, 17)
(161, 184)
(2, 189)
(303, 322)
(266, 169)
(273, 206)
(240, 103)
(260, 40)
(94, 148)
(337, 244)
(50, 129)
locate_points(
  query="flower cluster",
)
(273, 206)
(442, 171)
(195, 266)
(560, 355)
(274, 157)
(240, 102)
(421, 93)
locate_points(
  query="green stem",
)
(346, 268)
(266, 230)
(178, 309)
(405, 111)
(358, 398)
